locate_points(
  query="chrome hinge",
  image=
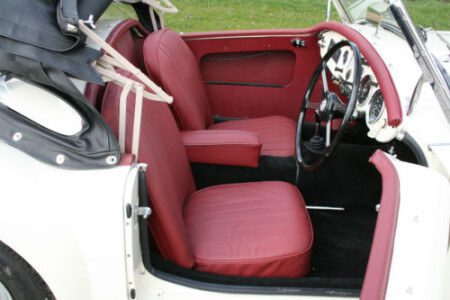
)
(144, 211)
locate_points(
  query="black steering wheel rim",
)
(357, 73)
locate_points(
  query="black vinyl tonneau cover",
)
(40, 43)
(35, 29)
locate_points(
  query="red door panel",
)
(255, 73)
(259, 68)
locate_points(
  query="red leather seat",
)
(170, 62)
(259, 229)
(249, 229)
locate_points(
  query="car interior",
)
(231, 202)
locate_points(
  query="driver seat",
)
(256, 229)
(172, 65)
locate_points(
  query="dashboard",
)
(370, 105)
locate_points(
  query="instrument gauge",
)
(376, 107)
(364, 89)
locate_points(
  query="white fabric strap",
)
(105, 67)
(159, 8)
(123, 114)
(163, 5)
(112, 76)
(137, 119)
(118, 60)
(153, 18)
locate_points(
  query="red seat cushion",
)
(259, 229)
(277, 133)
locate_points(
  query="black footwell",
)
(342, 241)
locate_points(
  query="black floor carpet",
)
(342, 239)
(342, 242)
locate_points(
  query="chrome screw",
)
(111, 160)
(60, 158)
(17, 136)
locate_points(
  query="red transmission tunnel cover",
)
(244, 230)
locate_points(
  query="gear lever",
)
(316, 143)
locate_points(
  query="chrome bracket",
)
(144, 212)
(89, 21)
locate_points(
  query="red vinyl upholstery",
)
(277, 133)
(250, 229)
(172, 65)
(207, 43)
(170, 62)
(170, 182)
(223, 147)
(265, 224)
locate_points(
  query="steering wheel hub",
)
(330, 106)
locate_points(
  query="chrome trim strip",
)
(325, 208)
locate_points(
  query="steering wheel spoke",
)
(324, 78)
(328, 134)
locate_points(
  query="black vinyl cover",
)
(36, 46)
(94, 147)
(36, 29)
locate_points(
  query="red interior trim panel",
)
(378, 267)
(278, 70)
(239, 101)
(271, 68)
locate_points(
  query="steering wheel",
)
(331, 107)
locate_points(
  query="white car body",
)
(84, 247)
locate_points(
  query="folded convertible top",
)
(42, 32)
(40, 42)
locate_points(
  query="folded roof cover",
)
(36, 30)
(40, 43)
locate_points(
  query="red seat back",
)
(169, 177)
(170, 62)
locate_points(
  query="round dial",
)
(364, 89)
(376, 107)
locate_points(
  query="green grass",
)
(208, 15)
